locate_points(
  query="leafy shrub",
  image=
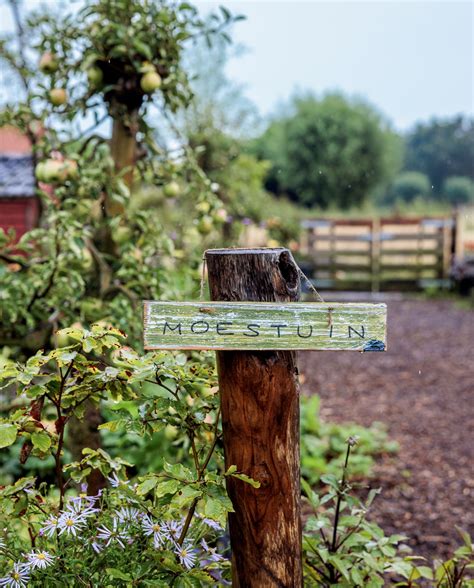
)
(408, 186)
(323, 445)
(458, 190)
(342, 548)
(114, 530)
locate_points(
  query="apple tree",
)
(95, 256)
(114, 64)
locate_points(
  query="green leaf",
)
(113, 426)
(217, 508)
(18, 487)
(357, 577)
(167, 487)
(147, 485)
(179, 471)
(425, 572)
(8, 434)
(311, 495)
(340, 565)
(143, 49)
(41, 440)
(186, 496)
(247, 479)
(115, 573)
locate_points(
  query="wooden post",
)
(260, 418)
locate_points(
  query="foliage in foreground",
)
(150, 530)
(342, 548)
(164, 527)
(323, 445)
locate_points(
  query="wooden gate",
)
(374, 254)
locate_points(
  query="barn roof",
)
(16, 176)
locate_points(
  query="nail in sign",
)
(265, 326)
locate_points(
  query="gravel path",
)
(423, 389)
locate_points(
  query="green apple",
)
(205, 225)
(52, 171)
(147, 67)
(48, 62)
(95, 76)
(58, 96)
(40, 171)
(61, 339)
(91, 308)
(122, 235)
(171, 432)
(220, 215)
(70, 168)
(171, 190)
(150, 82)
(203, 206)
(87, 259)
(84, 207)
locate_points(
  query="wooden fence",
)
(378, 254)
(464, 233)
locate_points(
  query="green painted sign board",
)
(262, 326)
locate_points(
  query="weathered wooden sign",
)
(264, 326)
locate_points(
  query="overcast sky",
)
(412, 59)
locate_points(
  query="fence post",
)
(260, 419)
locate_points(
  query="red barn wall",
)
(21, 214)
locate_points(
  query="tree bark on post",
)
(260, 419)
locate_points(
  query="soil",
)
(423, 389)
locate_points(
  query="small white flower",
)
(114, 534)
(70, 523)
(211, 551)
(115, 481)
(18, 577)
(92, 542)
(80, 509)
(40, 559)
(158, 530)
(173, 530)
(128, 514)
(50, 527)
(210, 523)
(186, 555)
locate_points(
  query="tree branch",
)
(20, 35)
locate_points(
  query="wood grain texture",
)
(260, 418)
(262, 326)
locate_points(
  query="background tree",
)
(458, 190)
(442, 148)
(409, 185)
(328, 152)
(218, 125)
